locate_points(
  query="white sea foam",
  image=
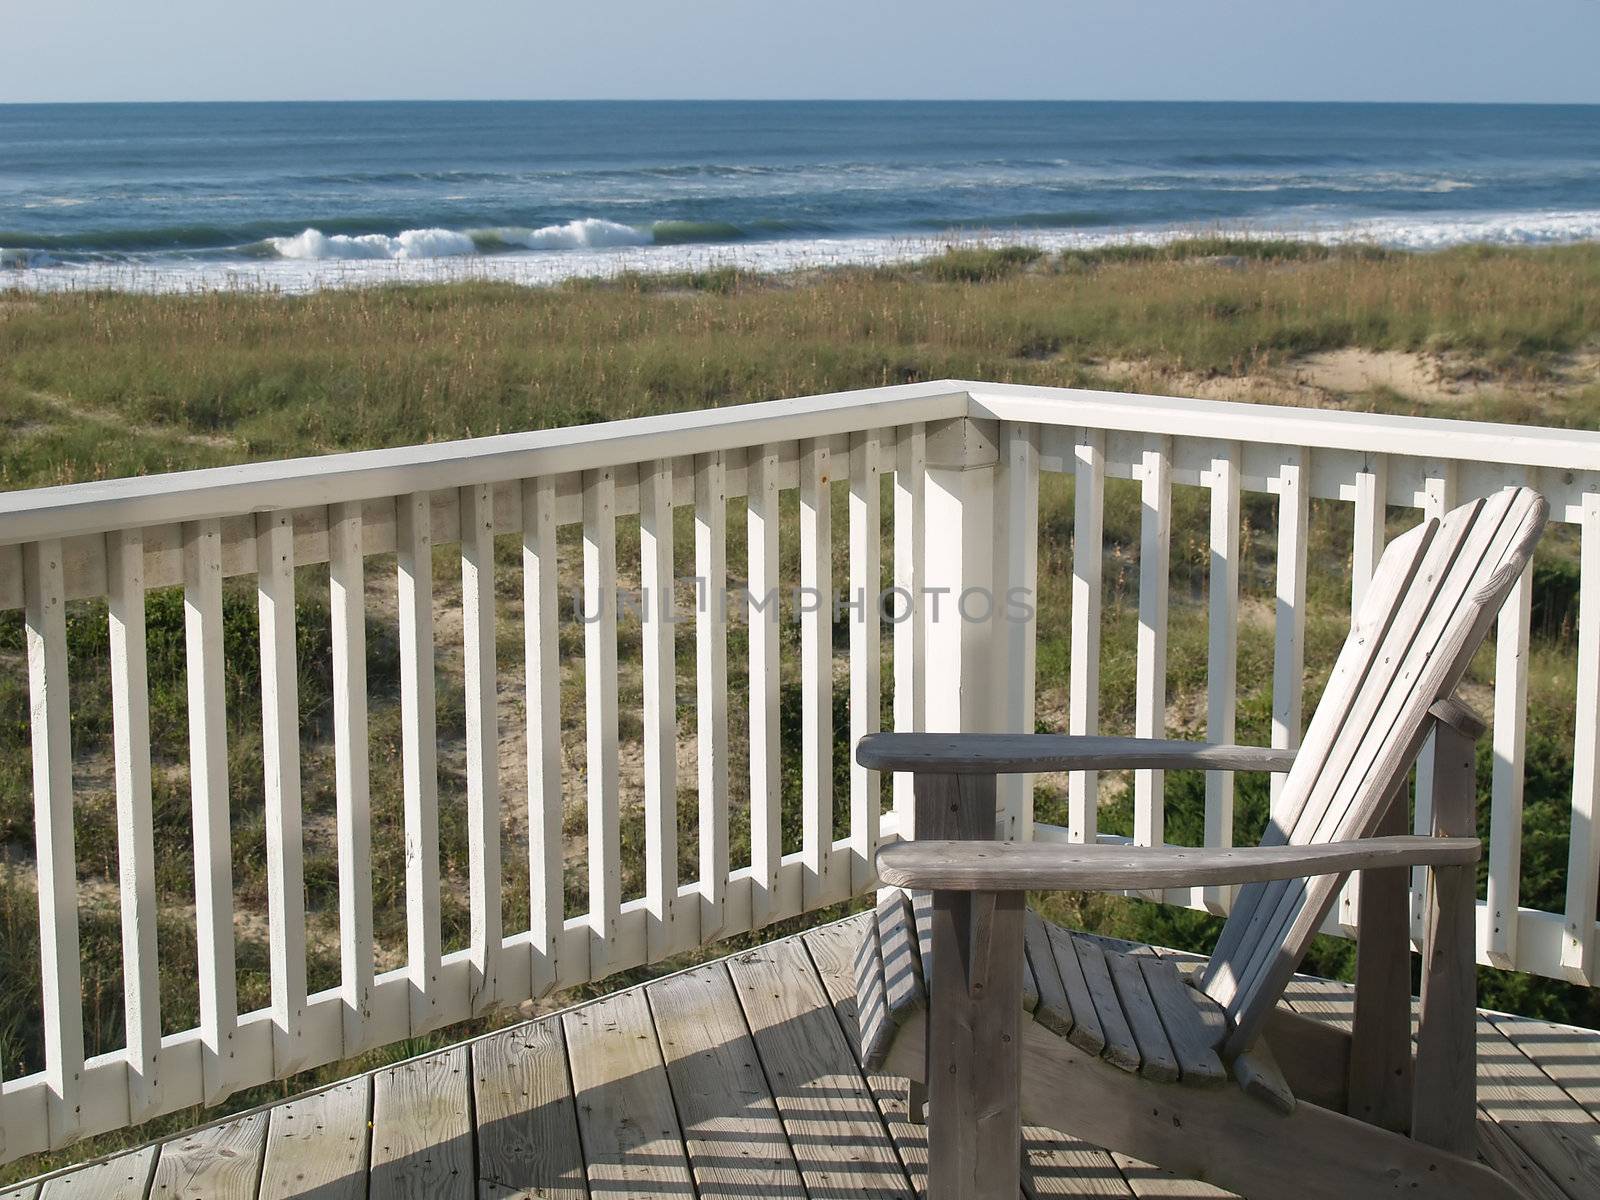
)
(410, 244)
(406, 259)
(589, 233)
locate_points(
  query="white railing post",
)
(960, 615)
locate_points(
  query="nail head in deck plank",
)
(527, 1127)
(421, 1131)
(219, 1162)
(839, 1138)
(730, 1124)
(317, 1145)
(124, 1177)
(625, 1116)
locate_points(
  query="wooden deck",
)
(737, 1078)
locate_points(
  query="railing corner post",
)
(959, 606)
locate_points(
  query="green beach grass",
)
(107, 384)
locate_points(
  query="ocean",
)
(306, 195)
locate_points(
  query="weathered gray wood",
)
(219, 1162)
(974, 1009)
(1054, 1164)
(1443, 1110)
(1313, 1055)
(1233, 1140)
(317, 1145)
(526, 1125)
(1570, 1058)
(1458, 714)
(922, 907)
(23, 1191)
(1569, 1055)
(1380, 1051)
(1191, 1042)
(839, 1139)
(974, 1046)
(1086, 1032)
(902, 967)
(1150, 1182)
(1027, 753)
(1156, 1059)
(1387, 735)
(1121, 1050)
(1030, 985)
(1369, 624)
(1260, 1077)
(421, 1130)
(1050, 866)
(629, 1128)
(124, 1177)
(736, 1142)
(872, 1002)
(1538, 1114)
(1501, 1154)
(1054, 1010)
(828, 946)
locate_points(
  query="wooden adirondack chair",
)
(966, 990)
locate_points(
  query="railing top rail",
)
(105, 505)
(1314, 428)
(110, 504)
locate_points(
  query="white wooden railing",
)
(966, 462)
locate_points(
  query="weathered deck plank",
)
(831, 948)
(125, 1177)
(422, 1129)
(527, 1126)
(630, 1131)
(219, 1162)
(839, 1139)
(317, 1145)
(730, 1123)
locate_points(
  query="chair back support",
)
(1432, 599)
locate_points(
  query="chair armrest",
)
(1045, 866)
(1018, 753)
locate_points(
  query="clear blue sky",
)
(1444, 50)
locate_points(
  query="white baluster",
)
(130, 712)
(51, 724)
(1222, 656)
(866, 574)
(483, 744)
(280, 744)
(208, 785)
(816, 674)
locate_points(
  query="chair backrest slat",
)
(1429, 607)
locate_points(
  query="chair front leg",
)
(974, 1036)
(1444, 1100)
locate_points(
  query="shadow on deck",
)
(737, 1078)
